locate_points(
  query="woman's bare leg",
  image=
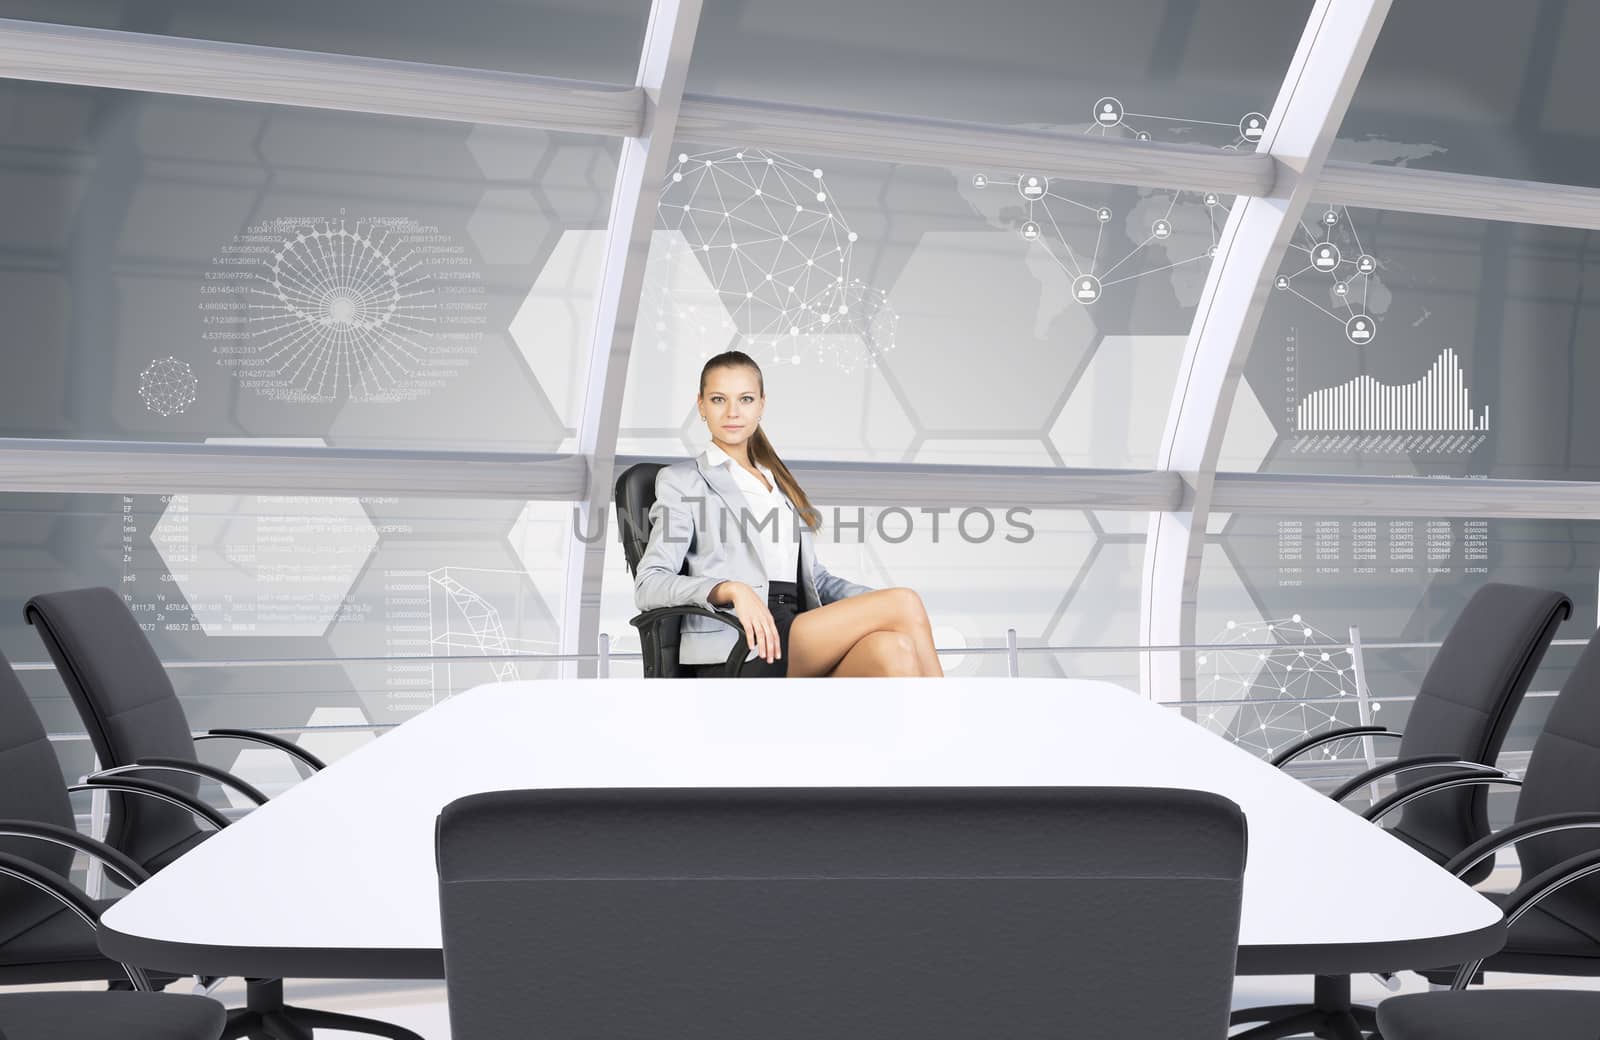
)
(879, 653)
(819, 639)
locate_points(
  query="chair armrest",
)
(651, 617)
(1483, 848)
(1376, 773)
(1530, 894)
(740, 648)
(74, 901)
(288, 747)
(117, 862)
(1294, 751)
(150, 789)
(179, 765)
(1449, 782)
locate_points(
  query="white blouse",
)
(779, 549)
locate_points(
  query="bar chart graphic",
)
(1439, 402)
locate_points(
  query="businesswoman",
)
(738, 516)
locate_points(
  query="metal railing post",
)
(603, 664)
(1358, 665)
(1013, 661)
(99, 812)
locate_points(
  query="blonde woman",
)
(741, 520)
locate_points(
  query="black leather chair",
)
(47, 925)
(1457, 725)
(658, 629)
(793, 914)
(135, 721)
(1460, 717)
(93, 1016)
(137, 726)
(1554, 914)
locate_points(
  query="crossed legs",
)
(883, 632)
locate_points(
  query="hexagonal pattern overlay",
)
(509, 226)
(1118, 409)
(877, 427)
(998, 367)
(264, 565)
(555, 325)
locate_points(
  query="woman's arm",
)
(657, 582)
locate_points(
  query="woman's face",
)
(731, 403)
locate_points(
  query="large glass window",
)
(1476, 86)
(1299, 583)
(983, 316)
(1191, 72)
(179, 269)
(596, 40)
(293, 610)
(1416, 345)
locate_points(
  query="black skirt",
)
(783, 599)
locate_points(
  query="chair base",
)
(1331, 1015)
(266, 1017)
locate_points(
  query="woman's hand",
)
(760, 631)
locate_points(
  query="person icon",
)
(1103, 214)
(1211, 198)
(1367, 263)
(1282, 282)
(1330, 218)
(1341, 289)
(1144, 135)
(1252, 126)
(1360, 329)
(1088, 289)
(1161, 229)
(1108, 112)
(1325, 257)
(980, 181)
(1033, 186)
(1030, 230)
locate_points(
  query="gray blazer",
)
(697, 516)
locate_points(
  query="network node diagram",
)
(1327, 259)
(1283, 682)
(1100, 247)
(1052, 219)
(778, 251)
(168, 386)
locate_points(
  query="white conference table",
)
(335, 878)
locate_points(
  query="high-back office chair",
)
(137, 726)
(92, 1016)
(135, 720)
(1554, 914)
(46, 923)
(1457, 724)
(659, 628)
(935, 913)
(1461, 715)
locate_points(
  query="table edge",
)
(299, 962)
(334, 962)
(1440, 951)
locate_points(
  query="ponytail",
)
(761, 450)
